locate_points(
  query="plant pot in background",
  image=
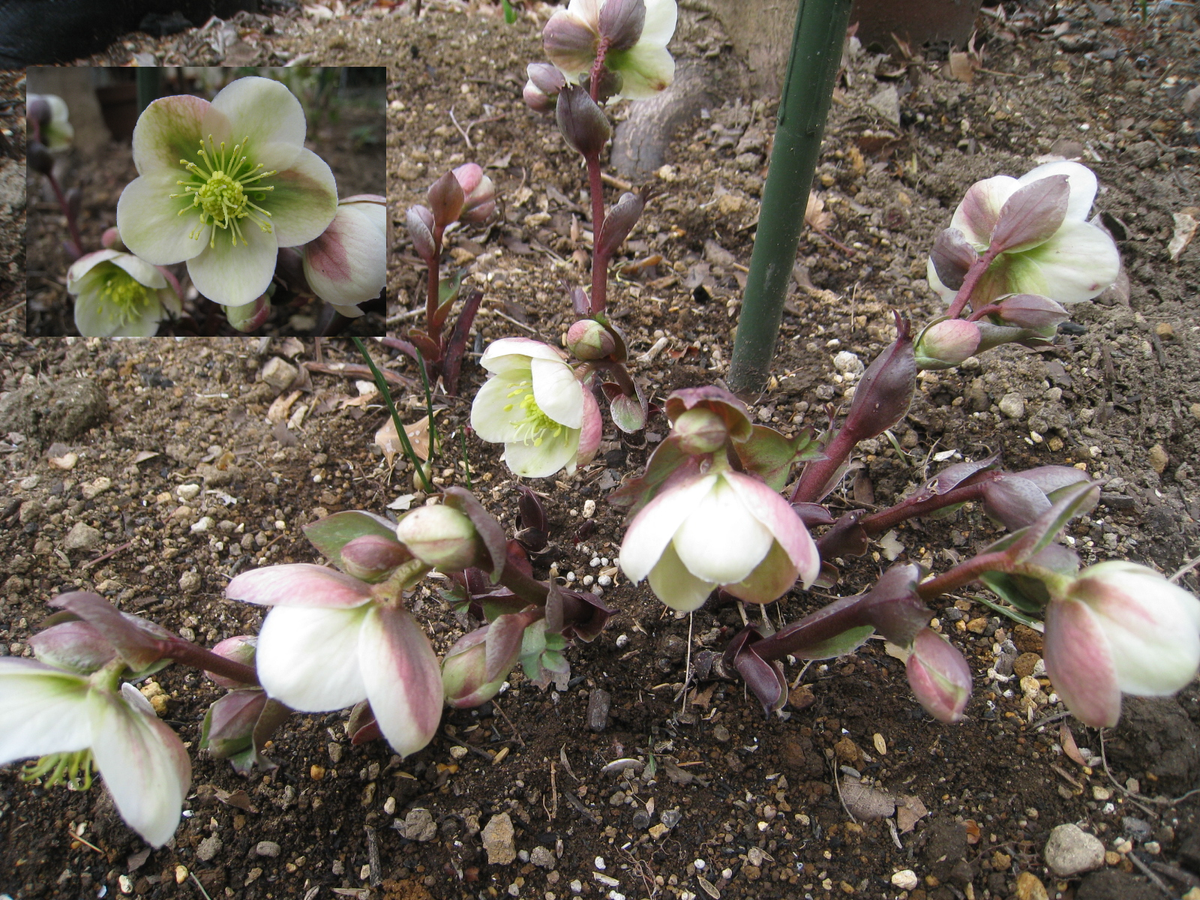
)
(118, 105)
(916, 21)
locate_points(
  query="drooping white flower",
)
(329, 642)
(1075, 263)
(224, 185)
(723, 529)
(1120, 628)
(46, 711)
(118, 295)
(536, 407)
(53, 118)
(347, 264)
(632, 35)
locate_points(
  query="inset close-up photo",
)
(205, 201)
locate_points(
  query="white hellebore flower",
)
(1120, 627)
(536, 407)
(118, 295)
(329, 642)
(630, 35)
(347, 264)
(46, 711)
(724, 529)
(224, 185)
(1075, 263)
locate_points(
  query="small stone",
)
(1012, 405)
(187, 492)
(1072, 851)
(1158, 458)
(419, 826)
(657, 831)
(279, 373)
(1024, 664)
(542, 857)
(906, 880)
(497, 836)
(267, 848)
(208, 848)
(190, 582)
(181, 874)
(1165, 330)
(82, 536)
(978, 625)
(97, 487)
(1030, 887)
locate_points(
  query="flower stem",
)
(198, 658)
(973, 275)
(599, 259)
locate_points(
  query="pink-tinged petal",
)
(307, 657)
(234, 274)
(781, 520)
(722, 541)
(939, 676)
(571, 42)
(653, 528)
(266, 112)
(167, 131)
(151, 223)
(1076, 264)
(495, 415)
(675, 586)
(304, 200)
(403, 678)
(143, 762)
(557, 391)
(299, 584)
(1080, 664)
(645, 70)
(947, 294)
(521, 350)
(770, 580)
(1081, 178)
(592, 429)
(42, 710)
(977, 214)
(530, 460)
(347, 264)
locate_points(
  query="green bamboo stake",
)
(807, 93)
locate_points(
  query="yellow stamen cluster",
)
(72, 769)
(125, 298)
(222, 190)
(536, 426)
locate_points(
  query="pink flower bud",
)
(372, 557)
(542, 88)
(241, 649)
(886, 389)
(251, 316)
(111, 239)
(939, 676)
(466, 667)
(583, 124)
(479, 191)
(588, 339)
(446, 199)
(440, 537)
(228, 727)
(1040, 314)
(621, 22)
(947, 343)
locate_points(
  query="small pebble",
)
(267, 848)
(906, 880)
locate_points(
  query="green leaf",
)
(770, 455)
(846, 642)
(510, 14)
(1025, 593)
(332, 533)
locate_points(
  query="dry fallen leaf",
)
(1070, 748)
(962, 67)
(867, 803)
(909, 812)
(418, 436)
(816, 216)
(1186, 221)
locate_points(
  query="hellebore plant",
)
(223, 186)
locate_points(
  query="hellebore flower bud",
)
(446, 199)
(583, 124)
(947, 343)
(545, 82)
(588, 339)
(372, 557)
(886, 389)
(466, 667)
(240, 648)
(228, 728)
(251, 316)
(700, 431)
(1040, 314)
(440, 537)
(480, 193)
(38, 109)
(622, 22)
(618, 223)
(952, 257)
(347, 264)
(111, 239)
(420, 229)
(939, 676)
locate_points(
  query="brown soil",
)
(757, 807)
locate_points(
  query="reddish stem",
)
(973, 275)
(599, 260)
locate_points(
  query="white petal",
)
(530, 460)
(142, 271)
(521, 349)
(646, 71)
(495, 415)
(150, 222)
(144, 765)
(1081, 179)
(42, 710)
(656, 523)
(675, 586)
(235, 274)
(307, 657)
(721, 541)
(557, 391)
(266, 112)
(1076, 264)
(661, 16)
(403, 679)
(85, 264)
